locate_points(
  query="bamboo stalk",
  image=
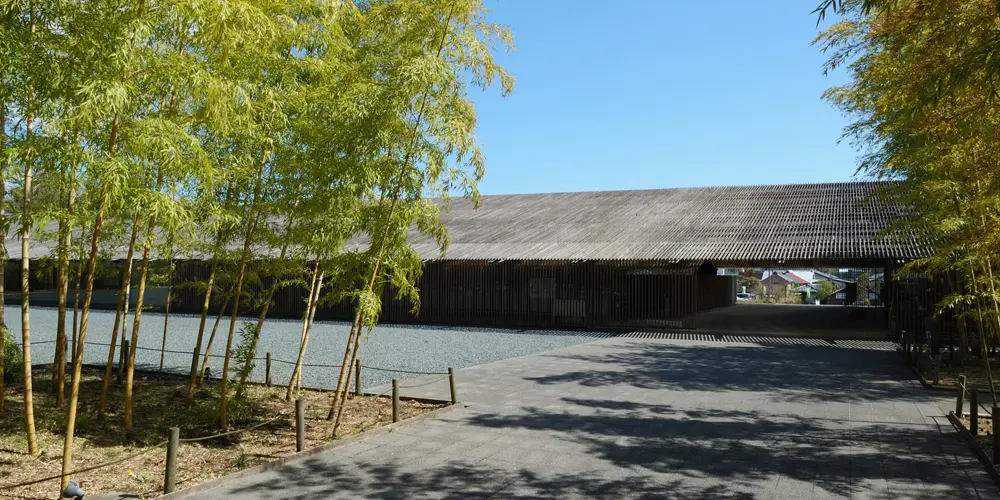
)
(237, 292)
(166, 312)
(123, 300)
(211, 339)
(137, 318)
(252, 350)
(25, 223)
(102, 201)
(982, 334)
(192, 383)
(303, 337)
(3, 237)
(354, 336)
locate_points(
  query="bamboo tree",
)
(195, 376)
(76, 284)
(311, 299)
(269, 296)
(354, 336)
(25, 227)
(65, 249)
(136, 322)
(252, 213)
(121, 311)
(304, 341)
(102, 201)
(192, 383)
(923, 97)
(982, 333)
(418, 147)
(170, 284)
(3, 227)
(211, 338)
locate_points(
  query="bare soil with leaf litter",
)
(159, 405)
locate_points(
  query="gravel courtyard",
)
(395, 347)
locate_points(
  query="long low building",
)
(631, 258)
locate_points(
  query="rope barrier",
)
(304, 365)
(313, 365)
(274, 360)
(139, 453)
(86, 469)
(402, 371)
(427, 383)
(230, 433)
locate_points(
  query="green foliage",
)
(241, 369)
(750, 283)
(824, 289)
(217, 130)
(923, 97)
(12, 364)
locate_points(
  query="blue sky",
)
(660, 93)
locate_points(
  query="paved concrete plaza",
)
(648, 418)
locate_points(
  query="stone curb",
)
(302, 455)
(978, 450)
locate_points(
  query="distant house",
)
(800, 281)
(782, 283)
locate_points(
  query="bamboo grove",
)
(922, 93)
(258, 136)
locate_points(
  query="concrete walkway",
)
(648, 418)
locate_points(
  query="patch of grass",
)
(159, 405)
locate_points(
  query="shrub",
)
(11, 355)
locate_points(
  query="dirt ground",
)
(158, 405)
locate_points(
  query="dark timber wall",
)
(511, 293)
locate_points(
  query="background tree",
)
(824, 289)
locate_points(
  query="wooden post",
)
(267, 369)
(960, 402)
(996, 434)
(357, 377)
(170, 475)
(395, 400)
(300, 424)
(451, 382)
(974, 411)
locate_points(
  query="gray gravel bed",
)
(415, 348)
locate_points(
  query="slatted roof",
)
(741, 225)
(796, 222)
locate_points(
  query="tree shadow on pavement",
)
(797, 373)
(639, 419)
(628, 454)
(314, 478)
(745, 451)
